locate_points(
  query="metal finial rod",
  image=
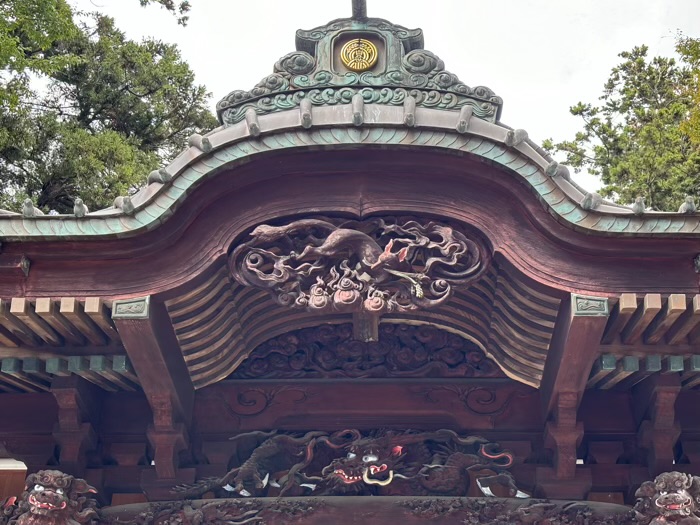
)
(359, 9)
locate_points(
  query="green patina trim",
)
(163, 203)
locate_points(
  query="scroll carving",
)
(402, 351)
(478, 400)
(376, 265)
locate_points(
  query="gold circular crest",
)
(359, 54)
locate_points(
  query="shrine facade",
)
(363, 296)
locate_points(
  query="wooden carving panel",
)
(330, 351)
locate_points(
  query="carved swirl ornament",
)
(376, 265)
(308, 73)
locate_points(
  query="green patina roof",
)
(409, 99)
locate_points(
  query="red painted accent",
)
(507, 455)
(397, 450)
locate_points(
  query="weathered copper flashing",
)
(332, 128)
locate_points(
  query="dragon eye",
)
(59, 491)
(369, 457)
(39, 488)
(663, 492)
(352, 455)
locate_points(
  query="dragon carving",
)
(376, 265)
(673, 497)
(52, 498)
(437, 463)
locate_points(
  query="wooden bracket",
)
(148, 336)
(78, 414)
(574, 348)
(654, 405)
(564, 434)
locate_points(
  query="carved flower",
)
(296, 63)
(422, 61)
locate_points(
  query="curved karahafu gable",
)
(393, 94)
(382, 126)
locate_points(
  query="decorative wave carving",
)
(242, 101)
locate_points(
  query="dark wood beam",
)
(147, 334)
(574, 347)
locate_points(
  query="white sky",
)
(540, 56)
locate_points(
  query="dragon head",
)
(369, 461)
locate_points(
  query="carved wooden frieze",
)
(403, 351)
(350, 462)
(371, 511)
(375, 266)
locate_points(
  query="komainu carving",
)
(352, 463)
(377, 265)
(330, 351)
(53, 498)
(671, 497)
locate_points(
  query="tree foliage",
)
(109, 109)
(180, 9)
(637, 139)
(689, 49)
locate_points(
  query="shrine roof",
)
(316, 100)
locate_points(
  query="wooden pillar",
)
(574, 347)
(146, 331)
